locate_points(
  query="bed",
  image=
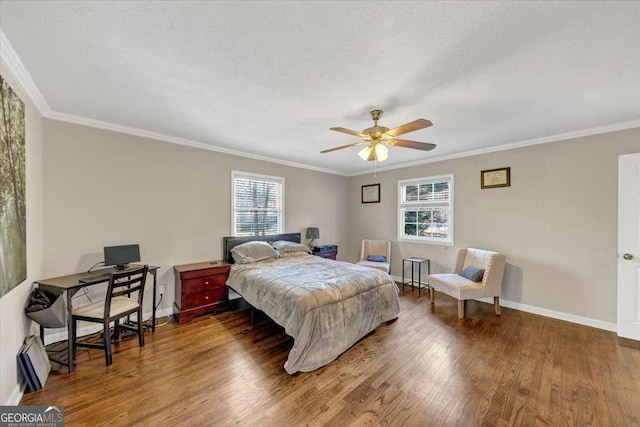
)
(326, 306)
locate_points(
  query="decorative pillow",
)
(474, 274)
(253, 252)
(377, 258)
(283, 246)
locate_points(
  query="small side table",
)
(414, 262)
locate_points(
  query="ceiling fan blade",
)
(409, 127)
(412, 144)
(349, 131)
(342, 146)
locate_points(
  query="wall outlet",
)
(161, 288)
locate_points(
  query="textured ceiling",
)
(270, 78)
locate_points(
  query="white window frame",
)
(448, 241)
(257, 177)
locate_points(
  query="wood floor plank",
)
(428, 368)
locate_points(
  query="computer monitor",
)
(120, 256)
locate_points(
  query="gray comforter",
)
(325, 305)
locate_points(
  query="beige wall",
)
(14, 326)
(106, 188)
(557, 223)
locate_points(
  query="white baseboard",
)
(16, 395)
(586, 321)
(61, 335)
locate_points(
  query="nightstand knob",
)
(206, 297)
(206, 283)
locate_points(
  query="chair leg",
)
(107, 344)
(431, 294)
(461, 304)
(73, 339)
(116, 331)
(140, 329)
(496, 305)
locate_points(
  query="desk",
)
(71, 284)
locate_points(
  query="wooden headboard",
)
(229, 243)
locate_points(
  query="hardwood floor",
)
(426, 369)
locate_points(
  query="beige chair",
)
(463, 289)
(376, 247)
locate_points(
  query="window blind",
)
(257, 204)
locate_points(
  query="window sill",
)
(426, 242)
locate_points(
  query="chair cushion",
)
(376, 258)
(472, 273)
(456, 286)
(96, 310)
(384, 266)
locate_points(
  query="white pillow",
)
(253, 252)
(283, 246)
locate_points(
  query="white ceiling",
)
(270, 78)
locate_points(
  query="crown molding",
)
(85, 121)
(535, 141)
(13, 62)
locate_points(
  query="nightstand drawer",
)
(329, 255)
(200, 284)
(204, 298)
(209, 270)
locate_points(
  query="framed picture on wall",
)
(371, 193)
(493, 178)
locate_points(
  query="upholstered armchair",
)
(461, 288)
(376, 249)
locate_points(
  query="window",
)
(257, 204)
(425, 210)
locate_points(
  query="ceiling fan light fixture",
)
(364, 153)
(382, 153)
(377, 152)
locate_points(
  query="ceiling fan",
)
(376, 138)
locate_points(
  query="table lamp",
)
(313, 233)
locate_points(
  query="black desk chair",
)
(117, 304)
